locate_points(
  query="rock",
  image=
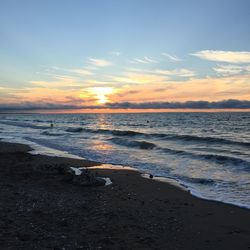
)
(99, 181)
(51, 168)
(86, 178)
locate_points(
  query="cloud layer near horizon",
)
(117, 81)
(225, 104)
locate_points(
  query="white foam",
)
(204, 197)
(113, 167)
(108, 181)
(76, 170)
(42, 150)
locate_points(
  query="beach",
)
(125, 125)
(207, 153)
(45, 211)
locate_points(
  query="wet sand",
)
(44, 211)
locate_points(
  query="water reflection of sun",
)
(102, 146)
(101, 94)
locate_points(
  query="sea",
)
(207, 153)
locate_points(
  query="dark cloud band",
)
(226, 104)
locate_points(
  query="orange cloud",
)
(210, 89)
(132, 87)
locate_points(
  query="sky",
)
(87, 55)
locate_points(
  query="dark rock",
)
(52, 168)
(86, 178)
(99, 181)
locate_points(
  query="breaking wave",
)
(74, 130)
(134, 144)
(176, 137)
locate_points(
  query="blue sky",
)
(37, 37)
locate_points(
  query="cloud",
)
(226, 104)
(210, 89)
(59, 82)
(139, 78)
(99, 62)
(57, 72)
(229, 69)
(181, 72)
(127, 93)
(224, 56)
(115, 53)
(144, 60)
(97, 83)
(83, 72)
(176, 72)
(80, 71)
(172, 57)
(29, 106)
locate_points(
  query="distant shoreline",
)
(132, 111)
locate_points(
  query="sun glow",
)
(101, 94)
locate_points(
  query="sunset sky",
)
(114, 54)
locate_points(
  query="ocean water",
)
(208, 153)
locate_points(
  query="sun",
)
(101, 93)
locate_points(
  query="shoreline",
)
(212, 166)
(36, 149)
(132, 213)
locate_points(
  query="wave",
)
(105, 131)
(226, 159)
(176, 137)
(24, 125)
(126, 133)
(134, 144)
(202, 181)
(38, 120)
(203, 139)
(51, 133)
(220, 159)
(11, 119)
(114, 132)
(220, 150)
(74, 130)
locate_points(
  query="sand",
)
(44, 211)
